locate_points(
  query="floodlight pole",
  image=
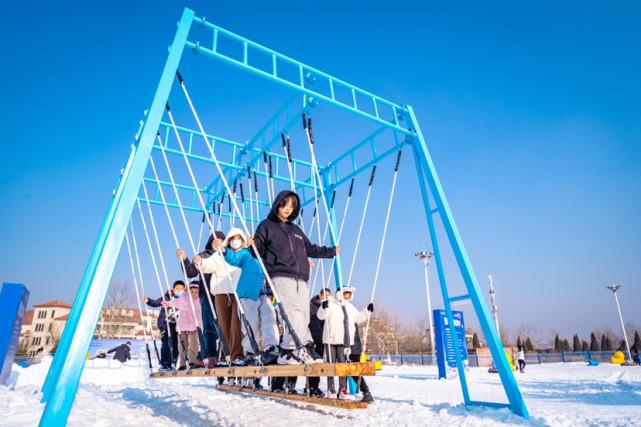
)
(425, 257)
(614, 288)
(495, 309)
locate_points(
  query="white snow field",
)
(570, 394)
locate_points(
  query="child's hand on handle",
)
(338, 250)
(180, 254)
(370, 307)
(146, 300)
(197, 260)
(325, 304)
(311, 264)
(250, 241)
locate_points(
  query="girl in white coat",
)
(339, 330)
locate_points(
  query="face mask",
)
(177, 294)
(236, 244)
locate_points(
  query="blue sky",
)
(532, 113)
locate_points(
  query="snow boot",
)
(270, 355)
(367, 397)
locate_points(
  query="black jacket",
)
(315, 324)
(162, 320)
(284, 247)
(122, 353)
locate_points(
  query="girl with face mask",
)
(259, 311)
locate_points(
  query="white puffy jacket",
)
(334, 328)
(224, 277)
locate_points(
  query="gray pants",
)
(261, 317)
(188, 344)
(294, 295)
(336, 354)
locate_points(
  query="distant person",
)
(635, 356)
(520, 357)
(122, 353)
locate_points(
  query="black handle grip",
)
(314, 213)
(265, 157)
(249, 172)
(309, 130)
(371, 178)
(242, 193)
(222, 199)
(351, 188)
(271, 174)
(282, 137)
(233, 189)
(180, 77)
(289, 149)
(203, 220)
(398, 160)
(331, 205)
(304, 121)
(167, 107)
(255, 183)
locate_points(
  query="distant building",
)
(42, 325)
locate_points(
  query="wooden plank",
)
(344, 404)
(313, 370)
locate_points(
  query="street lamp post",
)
(495, 309)
(425, 257)
(614, 288)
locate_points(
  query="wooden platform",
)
(314, 370)
(344, 404)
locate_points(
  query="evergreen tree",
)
(637, 341)
(594, 343)
(519, 344)
(604, 344)
(622, 347)
(566, 345)
(608, 344)
(528, 345)
(576, 343)
(475, 341)
(584, 346)
(557, 344)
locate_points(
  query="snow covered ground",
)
(569, 394)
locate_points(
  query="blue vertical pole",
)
(338, 269)
(517, 405)
(63, 380)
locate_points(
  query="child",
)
(316, 329)
(339, 330)
(520, 356)
(188, 336)
(223, 283)
(210, 337)
(285, 249)
(122, 353)
(167, 326)
(259, 310)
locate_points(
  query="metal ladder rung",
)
(460, 298)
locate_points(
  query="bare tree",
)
(121, 295)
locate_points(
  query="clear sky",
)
(532, 113)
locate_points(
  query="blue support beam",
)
(517, 404)
(85, 312)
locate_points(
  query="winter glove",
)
(325, 304)
(370, 307)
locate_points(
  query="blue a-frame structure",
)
(64, 375)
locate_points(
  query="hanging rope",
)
(340, 229)
(200, 233)
(251, 199)
(282, 312)
(380, 252)
(322, 242)
(133, 273)
(307, 125)
(241, 309)
(360, 227)
(153, 258)
(191, 242)
(142, 288)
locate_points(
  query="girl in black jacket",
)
(285, 250)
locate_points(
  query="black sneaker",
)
(316, 392)
(367, 397)
(270, 355)
(288, 357)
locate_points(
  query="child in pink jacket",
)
(188, 326)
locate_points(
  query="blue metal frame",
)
(63, 377)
